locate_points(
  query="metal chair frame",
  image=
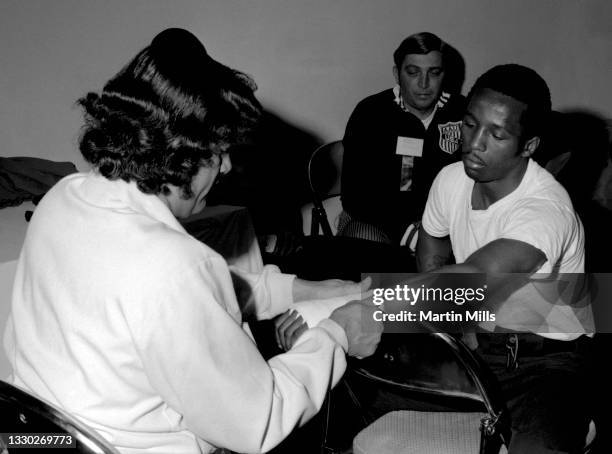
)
(319, 215)
(19, 412)
(494, 427)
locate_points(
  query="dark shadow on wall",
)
(269, 176)
(454, 77)
(576, 149)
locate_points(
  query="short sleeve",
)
(435, 217)
(551, 228)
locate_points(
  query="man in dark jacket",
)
(396, 141)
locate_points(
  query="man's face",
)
(492, 149)
(420, 79)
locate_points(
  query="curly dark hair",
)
(166, 114)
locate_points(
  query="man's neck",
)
(487, 193)
(420, 114)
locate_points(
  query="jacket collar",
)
(121, 196)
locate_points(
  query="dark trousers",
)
(548, 388)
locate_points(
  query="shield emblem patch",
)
(450, 136)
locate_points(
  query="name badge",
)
(409, 146)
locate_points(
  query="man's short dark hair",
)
(419, 43)
(524, 85)
(166, 114)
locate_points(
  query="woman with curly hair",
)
(133, 326)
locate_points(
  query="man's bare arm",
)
(500, 257)
(432, 252)
(507, 256)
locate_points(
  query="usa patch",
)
(450, 136)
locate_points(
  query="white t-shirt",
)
(538, 212)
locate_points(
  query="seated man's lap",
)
(549, 397)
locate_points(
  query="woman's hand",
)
(288, 328)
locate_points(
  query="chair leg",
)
(314, 223)
(490, 440)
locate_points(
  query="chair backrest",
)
(325, 169)
(477, 371)
(467, 379)
(22, 413)
(324, 172)
(496, 423)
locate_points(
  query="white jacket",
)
(132, 325)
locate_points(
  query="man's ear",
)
(396, 74)
(530, 147)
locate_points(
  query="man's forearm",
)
(429, 263)
(431, 252)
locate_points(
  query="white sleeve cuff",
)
(281, 288)
(335, 331)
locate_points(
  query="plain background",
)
(312, 59)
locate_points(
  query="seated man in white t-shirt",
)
(499, 212)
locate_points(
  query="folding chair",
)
(461, 409)
(324, 171)
(22, 413)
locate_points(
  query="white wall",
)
(313, 59)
